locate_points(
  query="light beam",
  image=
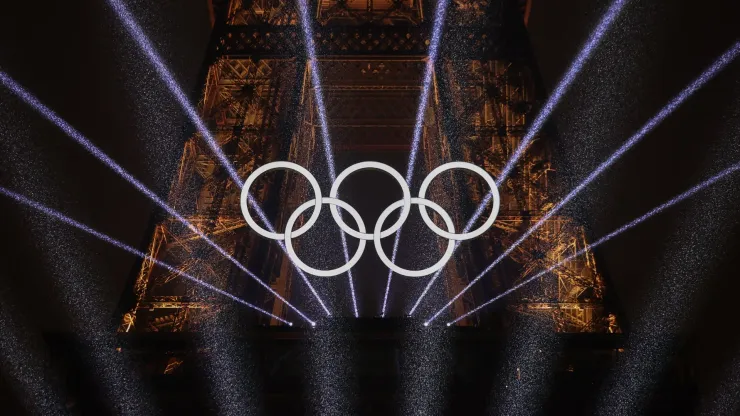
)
(697, 188)
(669, 108)
(324, 126)
(426, 86)
(438, 24)
(146, 46)
(50, 115)
(24, 358)
(110, 240)
(575, 68)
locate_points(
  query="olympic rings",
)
(289, 235)
(494, 208)
(378, 233)
(377, 166)
(414, 273)
(280, 165)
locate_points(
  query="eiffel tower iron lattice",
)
(256, 98)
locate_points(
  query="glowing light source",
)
(697, 188)
(575, 68)
(321, 109)
(437, 26)
(146, 46)
(687, 92)
(110, 240)
(50, 115)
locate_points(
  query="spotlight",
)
(321, 108)
(69, 221)
(707, 75)
(439, 19)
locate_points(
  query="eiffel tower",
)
(258, 100)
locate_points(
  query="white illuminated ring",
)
(376, 166)
(414, 273)
(289, 238)
(280, 165)
(495, 202)
(378, 232)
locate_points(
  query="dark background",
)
(77, 59)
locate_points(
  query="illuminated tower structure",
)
(258, 100)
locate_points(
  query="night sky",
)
(77, 59)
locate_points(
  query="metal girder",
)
(355, 12)
(287, 41)
(172, 304)
(242, 103)
(491, 101)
